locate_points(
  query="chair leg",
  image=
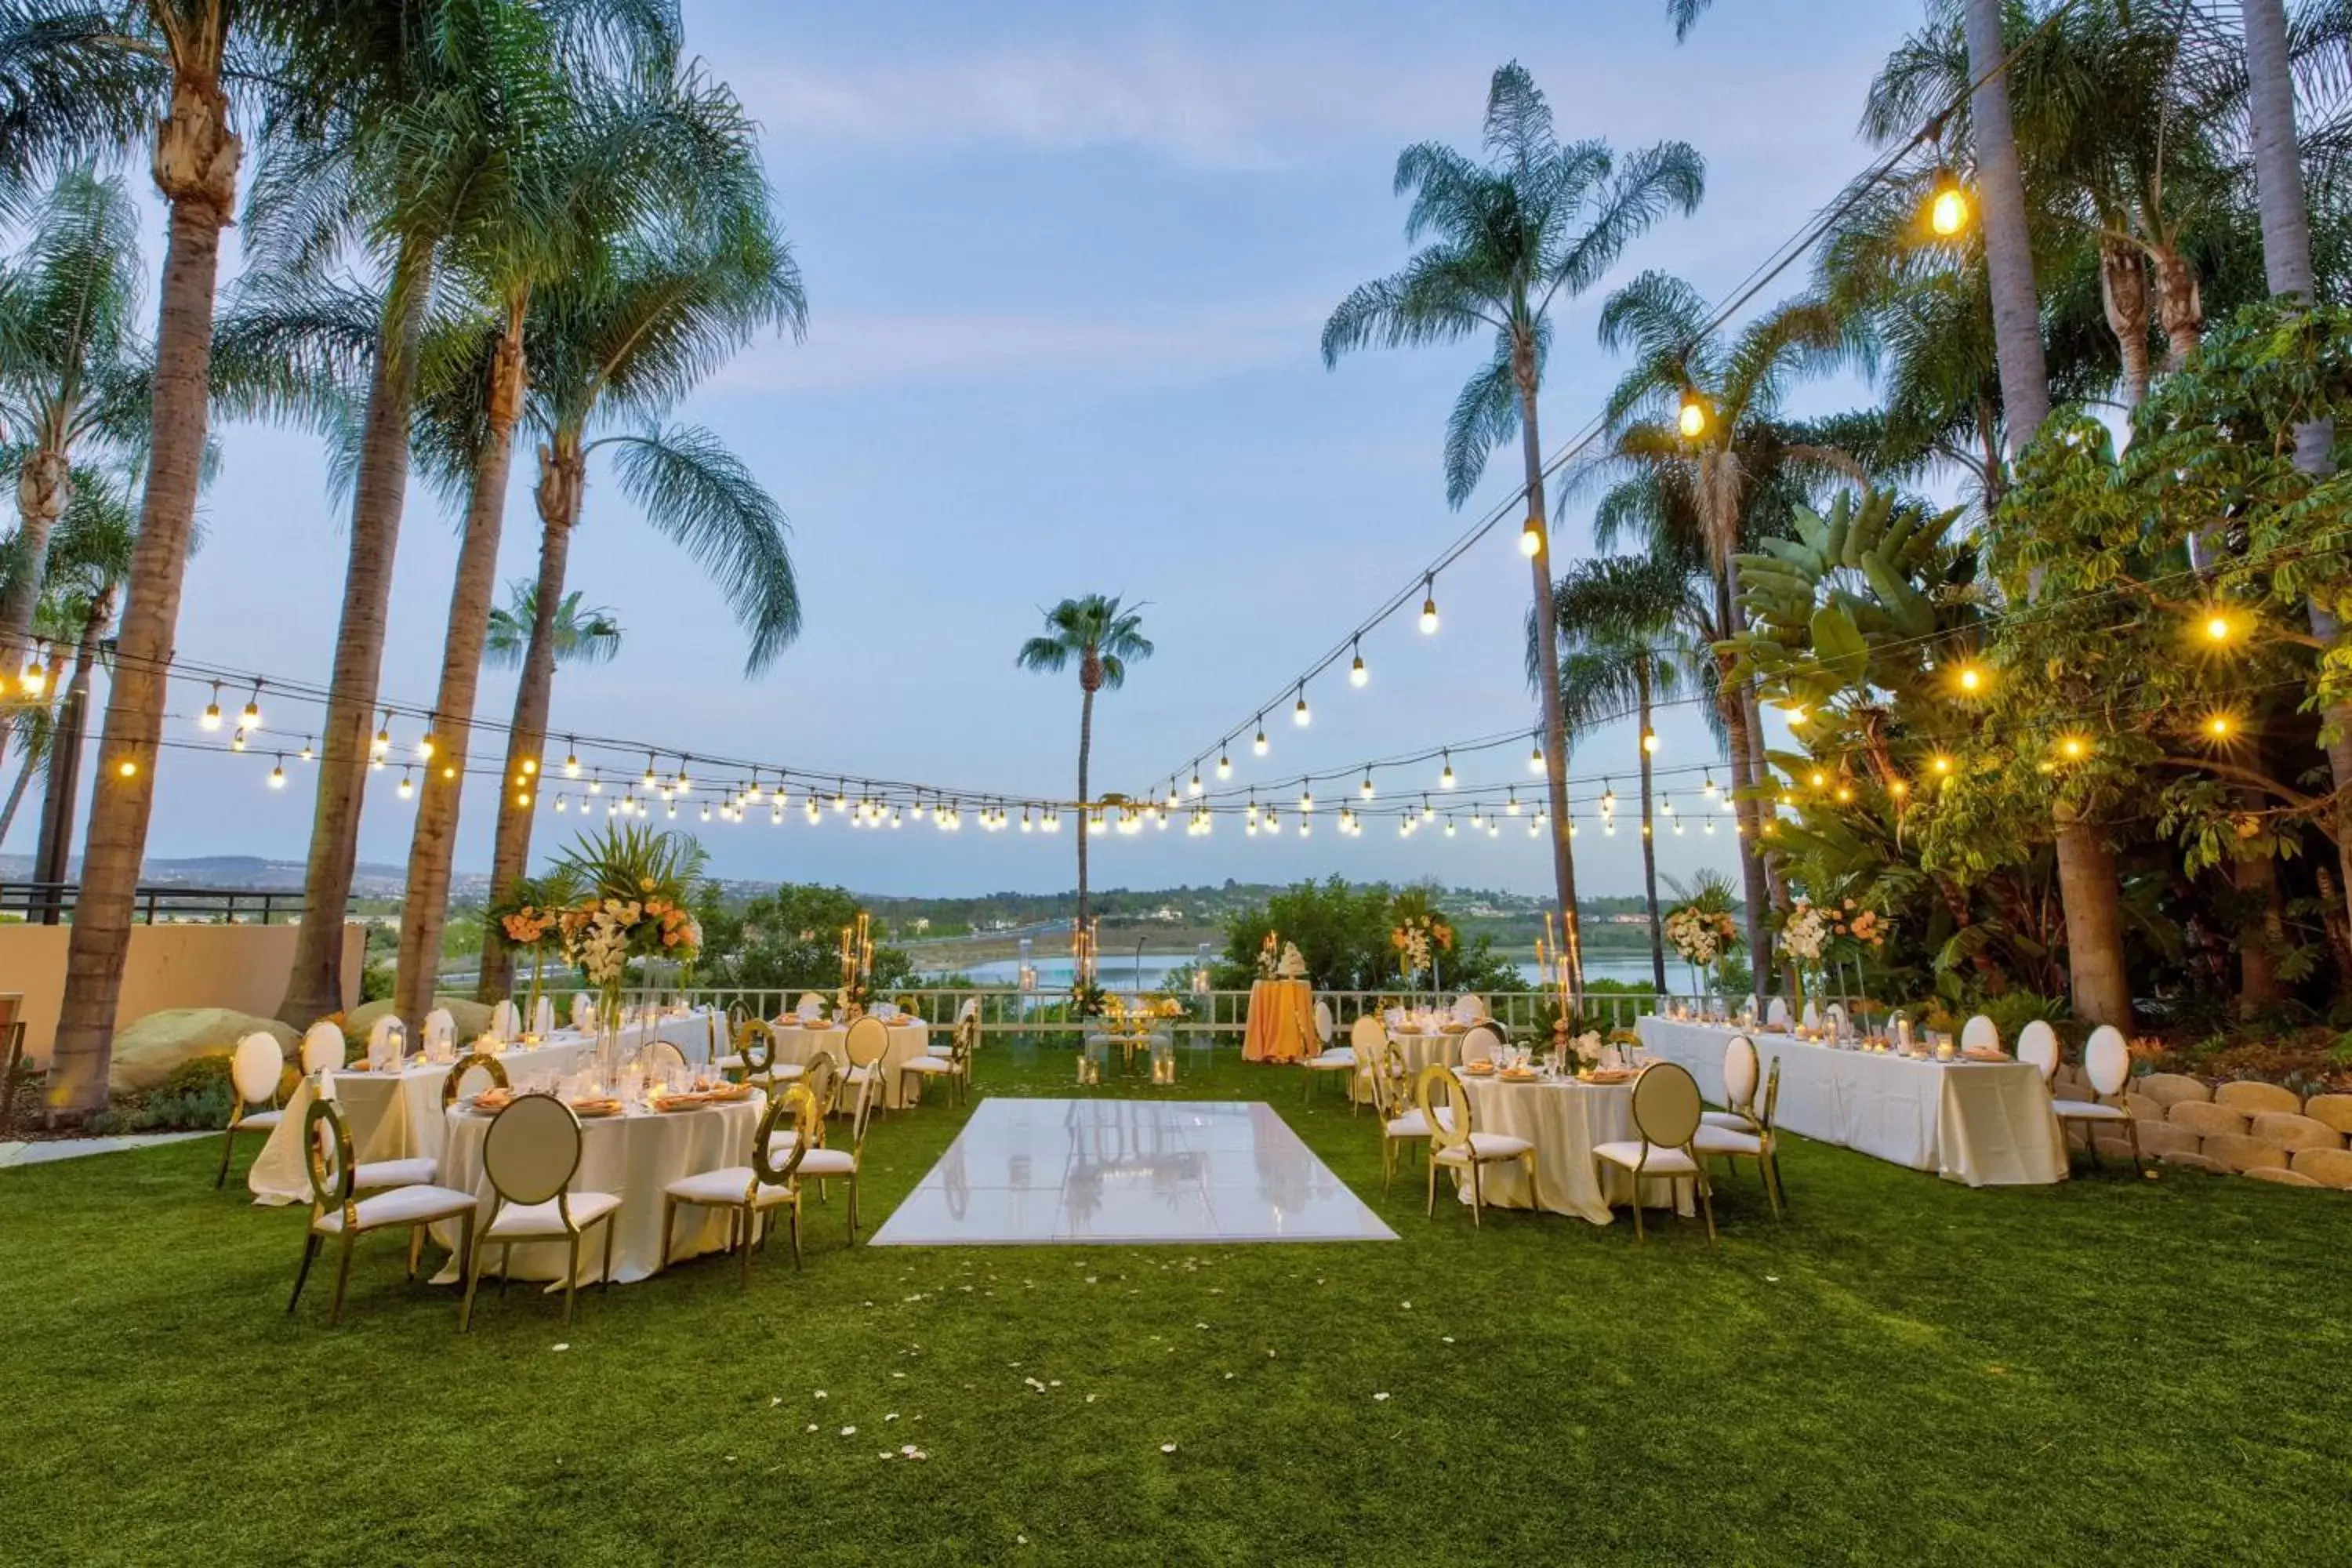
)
(1706, 1204)
(473, 1282)
(745, 1251)
(309, 1251)
(669, 1220)
(1388, 1164)
(853, 1205)
(505, 1267)
(604, 1284)
(1637, 1207)
(415, 1250)
(1764, 1172)
(228, 1142)
(1477, 1197)
(796, 1234)
(1433, 1182)
(2131, 1129)
(343, 1277)
(571, 1277)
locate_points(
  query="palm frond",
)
(704, 496)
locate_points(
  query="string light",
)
(1299, 715)
(1650, 741)
(277, 773)
(1947, 205)
(251, 717)
(1694, 415)
(310, 753)
(212, 717)
(1535, 754)
(1225, 765)
(128, 767)
(1195, 784)
(1429, 606)
(684, 784)
(1258, 745)
(407, 789)
(1367, 791)
(571, 757)
(1357, 674)
(649, 781)
(1445, 779)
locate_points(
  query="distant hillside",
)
(239, 872)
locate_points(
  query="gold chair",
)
(1714, 1140)
(955, 1067)
(1740, 1078)
(749, 1192)
(255, 1071)
(1666, 1115)
(822, 1163)
(1329, 1058)
(1456, 1142)
(1367, 1039)
(477, 1061)
(868, 1042)
(323, 1046)
(338, 1210)
(664, 1053)
(531, 1153)
(1400, 1121)
(2107, 1062)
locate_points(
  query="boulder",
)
(2142, 1108)
(2171, 1087)
(2251, 1097)
(2205, 1120)
(2186, 1162)
(2068, 1083)
(2162, 1138)
(2235, 1151)
(146, 1052)
(469, 1016)
(2284, 1178)
(2329, 1167)
(2285, 1129)
(2335, 1109)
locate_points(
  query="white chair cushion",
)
(1713, 1140)
(728, 1064)
(828, 1162)
(516, 1220)
(1330, 1060)
(856, 1075)
(1661, 1162)
(401, 1205)
(940, 1050)
(927, 1064)
(725, 1185)
(1484, 1146)
(1412, 1124)
(2088, 1110)
(261, 1119)
(379, 1175)
(1731, 1119)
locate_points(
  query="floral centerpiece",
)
(530, 916)
(1418, 940)
(633, 885)
(1804, 938)
(1269, 957)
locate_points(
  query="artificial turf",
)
(1905, 1370)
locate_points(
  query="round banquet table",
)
(910, 1039)
(636, 1155)
(1565, 1119)
(1281, 1026)
(1420, 1049)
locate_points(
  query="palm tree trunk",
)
(2179, 305)
(2009, 255)
(2090, 902)
(64, 781)
(2123, 291)
(1555, 733)
(425, 910)
(2286, 264)
(1086, 748)
(1649, 837)
(196, 169)
(16, 799)
(314, 987)
(43, 487)
(2255, 877)
(1747, 819)
(558, 497)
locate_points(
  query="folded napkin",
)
(505, 1021)
(382, 1026)
(584, 1012)
(387, 1043)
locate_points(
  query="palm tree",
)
(1537, 223)
(389, 166)
(77, 372)
(1743, 452)
(2286, 266)
(1624, 616)
(2001, 213)
(578, 170)
(1104, 640)
(610, 355)
(575, 636)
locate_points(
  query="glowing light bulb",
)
(1531, 539)
(1693, 417)
(571, 758)
(1940, 762)
(1224, 766)
(212, 717)
(1357, 674)
(1299, 715)
(1970, 678)
(1445, 779)
(406, 788)
(128, 768)
(2218, 726)
(1258, 745)
(310, 753)
(1535, 757)
(1429, 606)
(251, 717)
(277, 773)
(1650, 741)
(1194, 786)
(1947, 206)
(1367, 791)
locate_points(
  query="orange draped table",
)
(1281, 1022)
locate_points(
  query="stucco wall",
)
(239, 966)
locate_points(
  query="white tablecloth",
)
(1564, 1119)
(397, 1116)
(634, 1155)
(908, 1040)
(1419, 1050)
(1984, 1123)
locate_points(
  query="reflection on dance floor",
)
(1032, 1171)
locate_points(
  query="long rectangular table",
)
(1984, 1123)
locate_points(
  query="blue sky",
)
(1066, 267)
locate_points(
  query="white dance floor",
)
(1036, 1171)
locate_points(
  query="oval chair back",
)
(439, 1026)
(1477, 1038)
(2107, 1060)
(964, 1041)
(1445, 1105)
(868, 1042)
(1739, 1072)
(255, 1068)
(323, 1046)
(969, 1012)
(756, 1044)
(661, 1053)
(822, 1079)
(1469, 1009)
(327, 1151)
(1368, 1030)
(869, 1095)
(807, 1125)
(479, 1061)
(1776, 1012)
(1325, 1026)
(532, 1151)
(809, 1005)
(1667, 1105)
(1392, 1084)
(1979, 1033)
(2038, 1043)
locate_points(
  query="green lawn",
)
(2113, 1370)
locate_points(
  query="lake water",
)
(1150, 971)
